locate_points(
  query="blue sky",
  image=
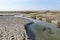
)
(29, 4)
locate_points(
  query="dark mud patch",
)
(29, 32)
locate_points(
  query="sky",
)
(29, 5)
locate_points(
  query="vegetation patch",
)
(58, 25)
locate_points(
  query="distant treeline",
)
(18, 11)
(47, 11)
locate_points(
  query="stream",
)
(41, 30)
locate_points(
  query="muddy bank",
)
(40, 30)
(29, 32)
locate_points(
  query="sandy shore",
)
(12, 28)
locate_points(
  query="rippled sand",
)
(12, 28)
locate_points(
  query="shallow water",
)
(40, 30)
